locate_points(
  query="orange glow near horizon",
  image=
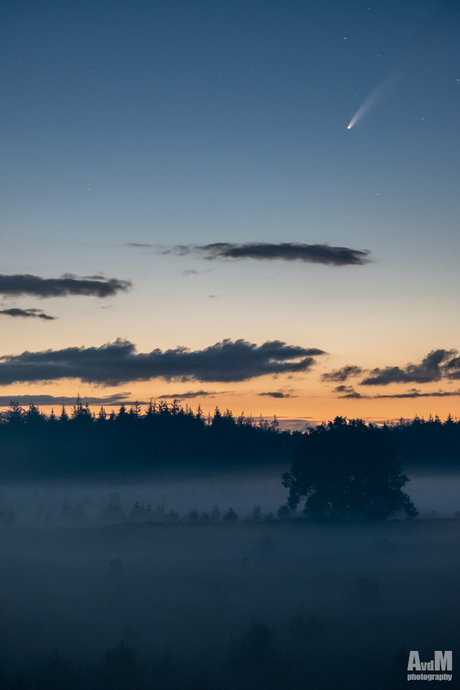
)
(317, 404)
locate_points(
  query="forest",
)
(135, 441)
(36, 445)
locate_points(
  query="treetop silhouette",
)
(347, 470)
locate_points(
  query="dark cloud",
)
(349, 392)
(27, 314)
(118, 362)
(452, 368)
(284, 251)
(189, 395)
(415, 393)
(138, 244)
(453, 363)
(41, 400)
(278, 394)
(68, 284)
(431, 368)
(342, 374)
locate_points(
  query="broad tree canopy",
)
(347, 470)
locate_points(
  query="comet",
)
(377, 94)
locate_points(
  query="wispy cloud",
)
(284, 251)
(350, 393)
(189, 395)
(342, 374)
(278, 394)
(44, 400)
(69, 284)
(118, 362)
(415, 393)
(297, 424)
(27, 314)
(452, 368)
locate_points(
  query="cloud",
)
(68, 284)
(452, 368)
(137, 244)
(349, 392)
(342, 374)
(278, 394)
(284, 251)
(294, 424)
(27, 313)
(24, 400)
(415, 393)
(189, 395)
(432, 368)
(118, 362)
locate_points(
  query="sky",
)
(239, 203)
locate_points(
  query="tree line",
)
(131, 440)
(136, 440)
(425, 441)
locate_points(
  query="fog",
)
(99, 597)
(181, 491)
(184, 490)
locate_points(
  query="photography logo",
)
(442, 662)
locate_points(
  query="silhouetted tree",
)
(81, 413)
(135, 410)
(102, 415)
(216, 514)
(283, 513)
(33, 417)
(193, 516)
(230, 515)
(347, 470)
(113, 512)
(52, 419)
(140, 512)
(15, 413)
(122, 414)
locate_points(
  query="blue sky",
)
(188, 123)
